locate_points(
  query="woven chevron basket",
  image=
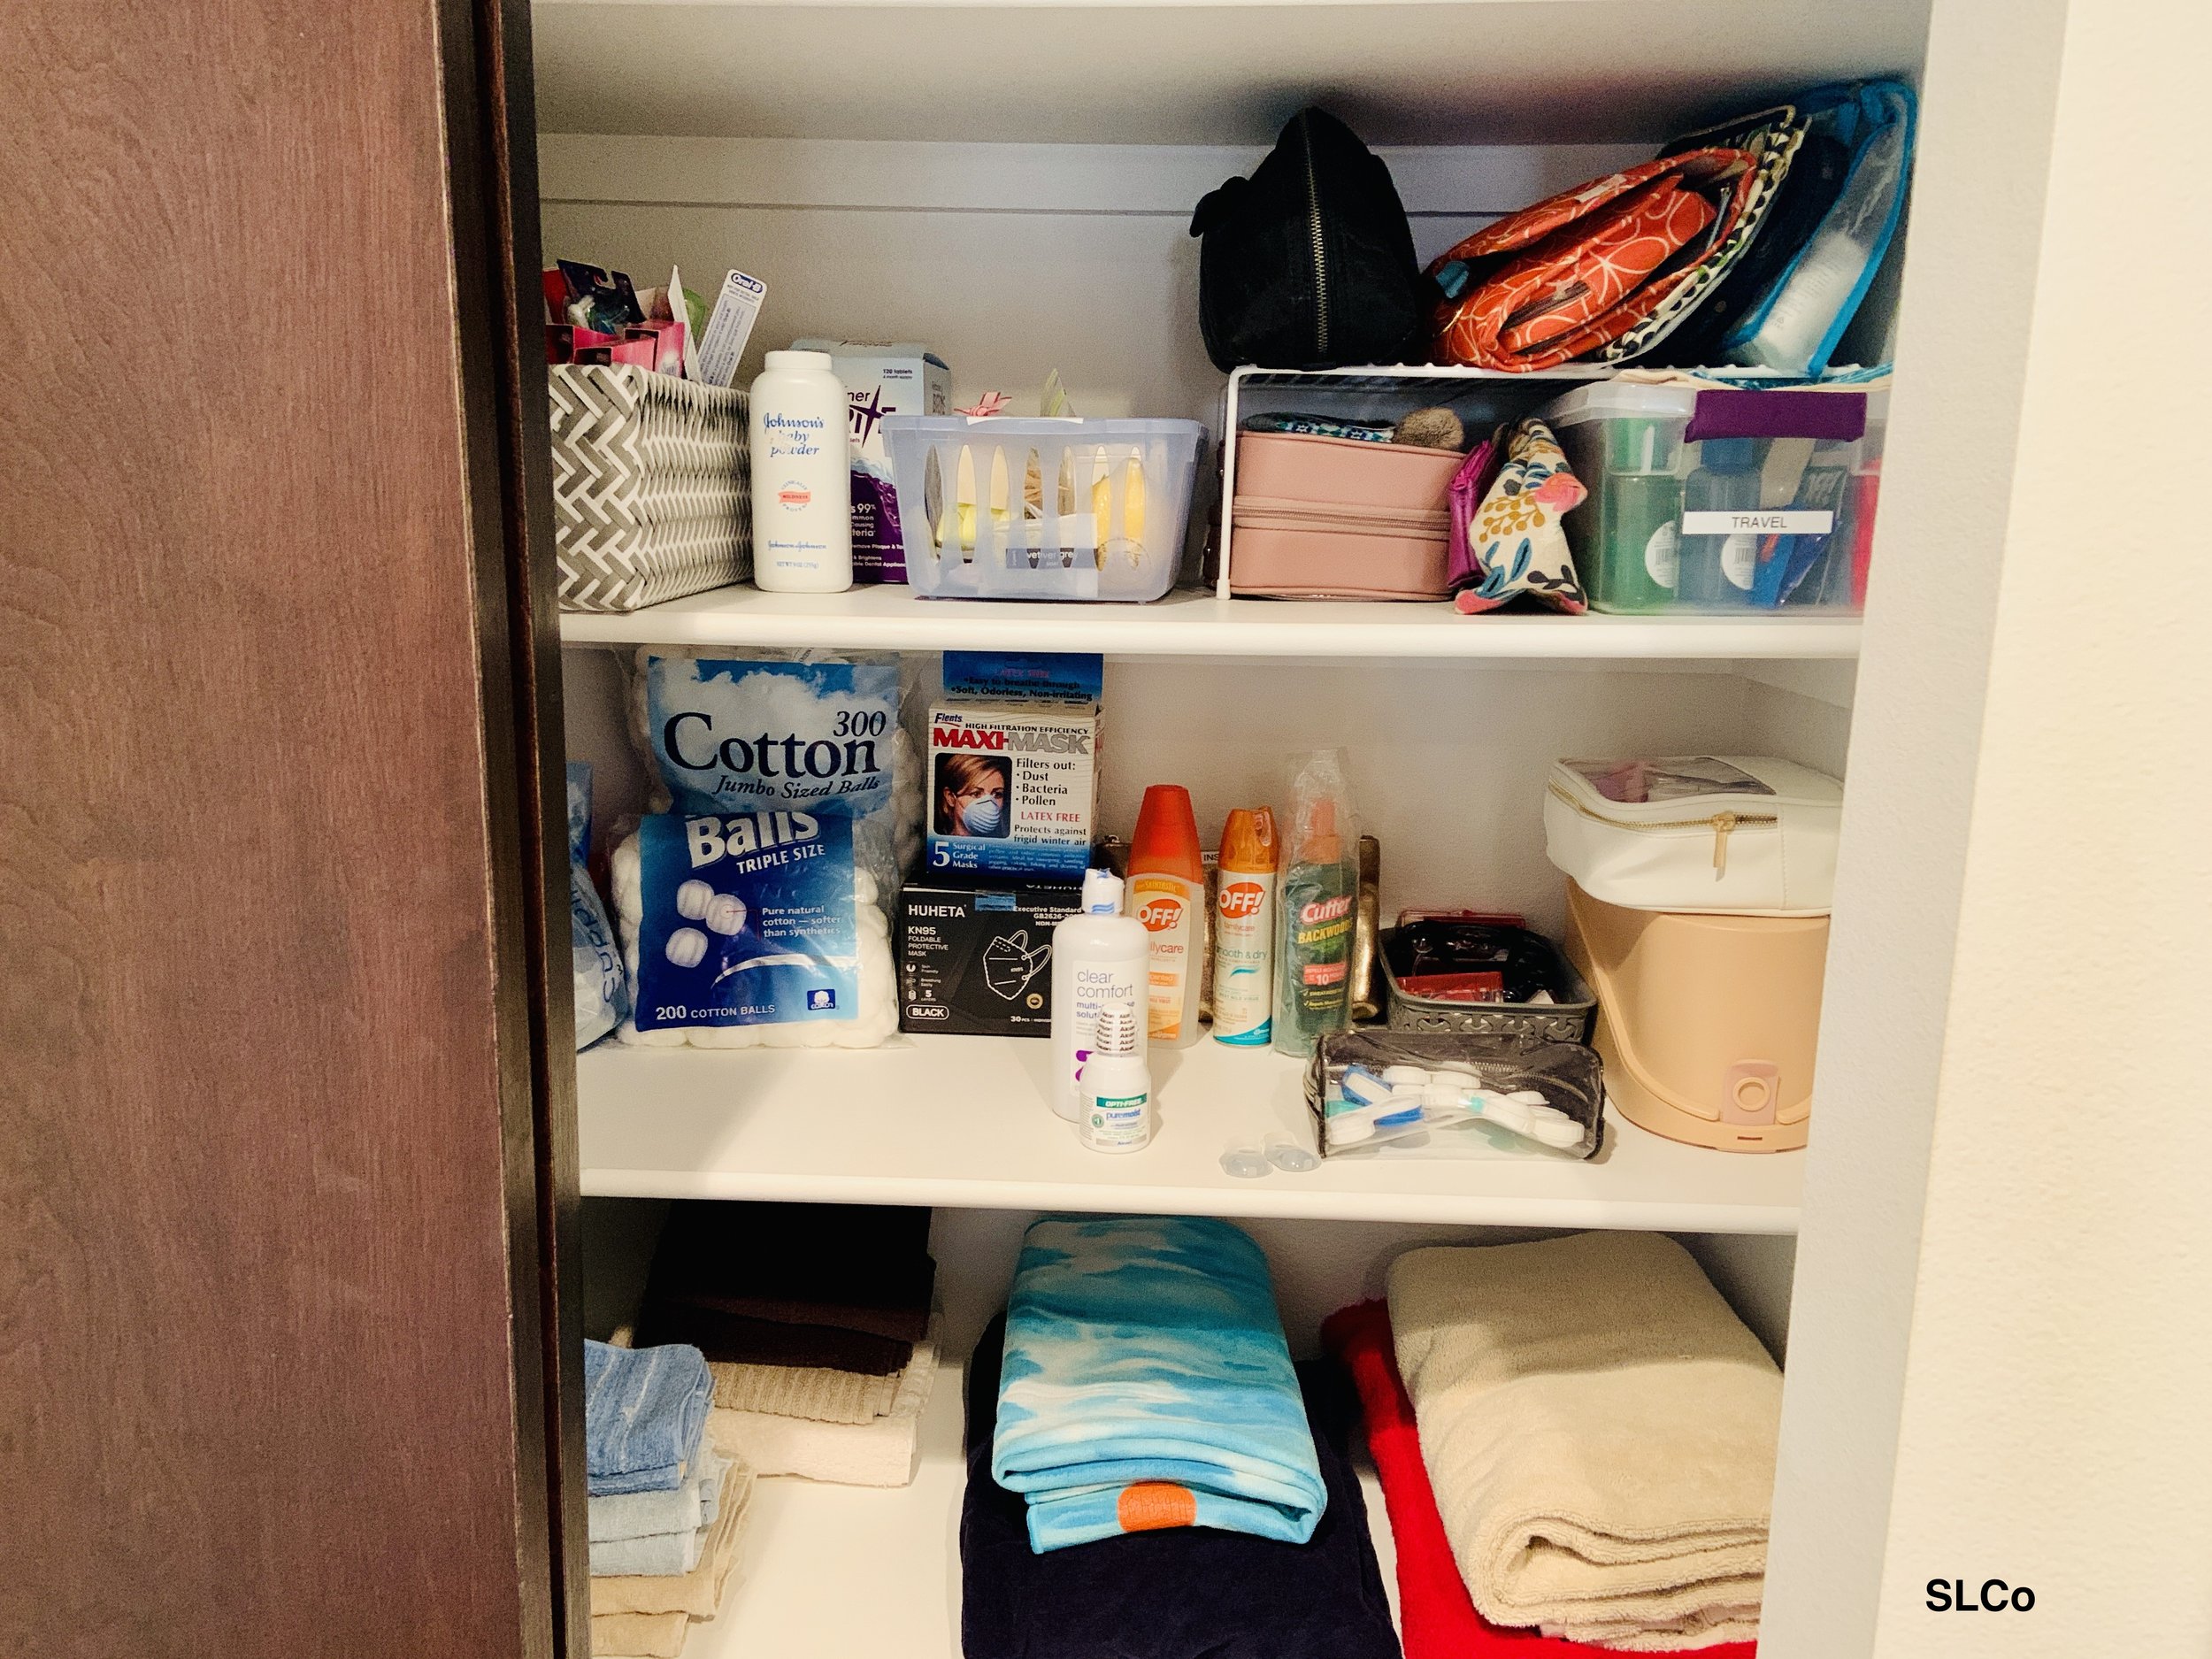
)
(651, 498)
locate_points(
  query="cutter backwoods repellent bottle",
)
(1244, 929)
(1167, 893)
(1320, 890)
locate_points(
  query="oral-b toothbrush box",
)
(880, 380)
(978, 960)
(1013, 765)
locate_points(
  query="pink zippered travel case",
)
(1318, 517)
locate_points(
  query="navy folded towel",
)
(1191, 1593)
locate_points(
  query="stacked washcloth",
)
(644, 1411)
(659, 1531)
(816, 1324)
(1437, 1618)
(649, 1616)
(665, 1505)
(1189, 1593)
(1599, 1429)
(1147, 1385)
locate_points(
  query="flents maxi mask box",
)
(1013, 765)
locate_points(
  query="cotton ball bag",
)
(759, 730)
(602, 994)
(790, 947)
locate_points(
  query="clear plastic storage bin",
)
(1034, 508)
(1719, 500)
(1394, 1093)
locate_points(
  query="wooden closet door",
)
(284, 1072)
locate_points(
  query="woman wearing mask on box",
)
(971, 795)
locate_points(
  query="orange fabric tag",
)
(1152, 1505)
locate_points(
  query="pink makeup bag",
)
(1340, 518)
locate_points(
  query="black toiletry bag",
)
(1309, 263)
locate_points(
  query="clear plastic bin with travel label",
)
(1722, 500)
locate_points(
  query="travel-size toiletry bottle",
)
(1717, 571)
(1117, 1114)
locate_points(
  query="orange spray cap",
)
(1320, 844)
(1166, 840)
(1247, 839)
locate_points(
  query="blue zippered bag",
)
(1794, 325)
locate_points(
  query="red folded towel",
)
(1437, 1618)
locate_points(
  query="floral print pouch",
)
(1512, 545)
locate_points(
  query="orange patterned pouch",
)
(1565, 277)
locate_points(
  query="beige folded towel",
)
(1599, 1430)
(813, 1392)
(698, 1592)
(639, 1635)
(880, 1452)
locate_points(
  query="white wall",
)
(1447, 758)
(1008, 259)
(1969, 288)
(2010, 1381)
(2055, 1429)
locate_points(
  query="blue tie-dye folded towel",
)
(1147, 1385)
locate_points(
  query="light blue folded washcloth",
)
(661, 1555)
(644, 1411)
(686, 1508)
(1147, 1384)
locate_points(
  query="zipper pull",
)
(1723, 825)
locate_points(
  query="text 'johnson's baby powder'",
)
(802, 530)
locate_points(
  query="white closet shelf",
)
(962, 1121)
(1191, 623)
(1194, 71)
(827, 1572)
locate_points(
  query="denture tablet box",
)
(979, 960)
(880, 380)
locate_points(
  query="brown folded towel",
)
(732, 1336)
(859, 1268)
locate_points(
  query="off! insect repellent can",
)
(1244, 929)
(1167, 893)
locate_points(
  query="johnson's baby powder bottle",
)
(803, 522)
